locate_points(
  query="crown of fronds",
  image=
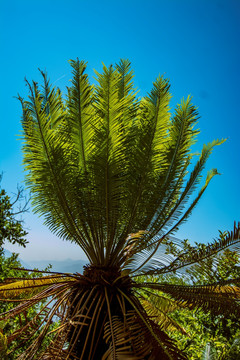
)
(103, 165)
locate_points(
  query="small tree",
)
(11, 229)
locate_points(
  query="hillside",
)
(67, 265)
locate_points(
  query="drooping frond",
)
(159, 308)
(193, 181)
(195, 254)
(134, 340)
(29, 286)
(91, 317)
(215, 298)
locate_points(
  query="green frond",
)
(170, 174)
(215, 298)
(157, 240)
(181, 137)
(125, 83)
(49, 164)
(149, 134)
(110, 166)
(80, 115)
(188, 212)
(195, 255)
(192, 182)
(159, 308)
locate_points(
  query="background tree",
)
(110, 172)
(12, 231)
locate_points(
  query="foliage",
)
(110, 172)
(11, 268)
(11, 229)
(209, 336)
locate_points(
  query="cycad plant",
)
(109, 172)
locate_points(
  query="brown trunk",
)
(85, 344)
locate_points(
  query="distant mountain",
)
(8, 253)
(67, 266)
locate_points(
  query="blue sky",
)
(194, 43)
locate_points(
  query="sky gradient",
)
(193, 43)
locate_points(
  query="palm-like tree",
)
(109, 172)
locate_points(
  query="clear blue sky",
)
(194, 43)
